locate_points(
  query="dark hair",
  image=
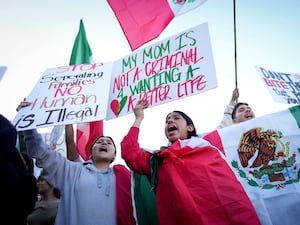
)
(106, 137)
(8, 134)
(56, 192)
(101, 137)
(236, 107)
(189, 121)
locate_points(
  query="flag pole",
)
(235, 58)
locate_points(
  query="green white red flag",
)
(144, 20)
(86, 133)
(264, 153)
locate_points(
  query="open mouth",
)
(249, 116)
(103, 150)
(171, 128)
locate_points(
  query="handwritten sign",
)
(283, 87)
(172, 69)
(67, 95)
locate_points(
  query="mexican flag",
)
(144, 20)
(86, 133)
(264, 153)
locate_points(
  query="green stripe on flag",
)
(81, 52)
(145, 201)
(295, 110)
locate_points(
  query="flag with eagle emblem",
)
(264, 153)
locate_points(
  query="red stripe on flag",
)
(86, 135)
(215, 139)
(142, 20)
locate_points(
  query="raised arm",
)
(136, 159)
(139, 112)
(227, 120)
(72, 153)
(58, 170)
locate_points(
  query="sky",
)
(37, 35)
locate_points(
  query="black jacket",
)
(17, 185)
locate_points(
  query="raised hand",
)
(23, 104)
(139, 111)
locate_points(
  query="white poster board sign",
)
(169, 70)
(67, 95)
(283, 87)
(172, 69)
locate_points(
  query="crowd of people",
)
(172, 185)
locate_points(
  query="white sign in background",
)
(283, 87)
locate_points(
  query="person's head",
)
(103, 149)
(8, 134)
(242, 112)
(44, 187)
(8, 140)
(179, 126)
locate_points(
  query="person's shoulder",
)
(121, 169)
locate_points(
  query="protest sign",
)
(283, 87)
(67, 95)
(172, 69)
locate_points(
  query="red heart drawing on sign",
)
(117, 106)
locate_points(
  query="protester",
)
(18, 184)
(192, 181)
(45, 209)
(227, 119)
(242, 112)
(144, 201)
(93, 192)
(236, 112)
